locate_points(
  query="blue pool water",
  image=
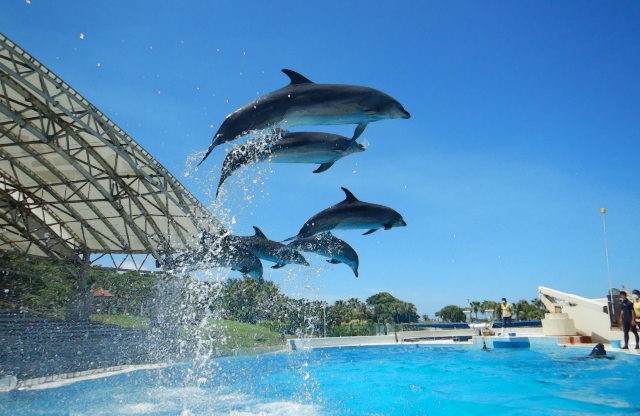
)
(389, 380)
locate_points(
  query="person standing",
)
(506, 310)
(628, 320)
(635, 295)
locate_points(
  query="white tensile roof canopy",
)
(72, 183)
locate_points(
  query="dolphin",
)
(328, 245)
(351, 214)
(220, 252)
(304, 102)
(599, 352)
(286, 147)
(270, 250)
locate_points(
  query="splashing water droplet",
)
(81, 36)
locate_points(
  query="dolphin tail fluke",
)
(359, 130)
(223, 177)
(219, 185)
(371, 231)
(323, 167)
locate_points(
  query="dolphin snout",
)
(405, 113)
(402, 223)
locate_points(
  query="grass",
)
(223, 335)
(124, 321)
(231, 336)
(243, 335)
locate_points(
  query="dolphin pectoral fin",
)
(209, 150)
(279, 131)
(296, 78)
(278, 265)
(371, 231)
(323, 167)
(359, 130)
(334, 261)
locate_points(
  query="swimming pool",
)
(380, 380)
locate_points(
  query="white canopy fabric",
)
(72, 183)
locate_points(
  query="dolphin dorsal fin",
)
(349, 195)
(259, 233)
(296, 78)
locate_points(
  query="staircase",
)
(35, 346)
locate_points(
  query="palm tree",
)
(474, 305)
(489, 307)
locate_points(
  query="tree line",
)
(523, 310)
(45, 287)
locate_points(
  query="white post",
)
(603, 211)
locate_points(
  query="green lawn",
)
(231, 337)
(223, 335)
(242, 335)
(124, 321)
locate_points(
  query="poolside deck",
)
(455, 336)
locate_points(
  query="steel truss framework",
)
(73, 183)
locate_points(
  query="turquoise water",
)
(389, 380)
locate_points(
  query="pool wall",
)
(436, 335)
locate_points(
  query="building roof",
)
(102, 293)
(73, 183)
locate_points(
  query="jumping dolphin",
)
(351, 214)
(221, 252)
(270, 250)
(286, 147)
(328, 245)
(304, 102)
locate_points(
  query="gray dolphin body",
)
(290, 147)
(328, 245)
(304, 102)
(270, 250)
(221, 252)
(351, 214)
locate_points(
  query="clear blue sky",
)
(525, 121)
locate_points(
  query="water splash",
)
(192, 310)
